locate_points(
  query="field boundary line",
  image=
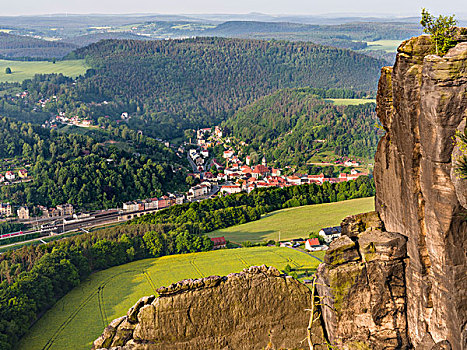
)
(288, 259)
(242, 260)
(150, 281)
(192, 262)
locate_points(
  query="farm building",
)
(311, 243)
(330, 233)
(219, 242)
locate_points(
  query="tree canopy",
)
(441, 30)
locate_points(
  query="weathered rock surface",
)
(378, 297)
(421, 105)
(363, 285)
(244, 310)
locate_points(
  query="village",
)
(240, 174)
(232, 173)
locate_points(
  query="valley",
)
(140, 150)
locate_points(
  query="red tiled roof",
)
(218, 241)
(260, 169)
(313, 241)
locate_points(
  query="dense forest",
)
(173, 85)
(19, 46)
(33, 278)
(179, 84)
(292, 125)
(89, 172)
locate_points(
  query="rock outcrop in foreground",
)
(244, 310)
(421, 102)
(363, 285)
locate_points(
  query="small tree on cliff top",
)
(441, 30)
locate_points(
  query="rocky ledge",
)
(362, 283)
(246, 310)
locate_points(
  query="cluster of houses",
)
(23, 213)
(247, 178)
(154, 203)
(312, 244)
(11, 176)
(328, 234)
(206, 137)
(199, 158)
(77, 121)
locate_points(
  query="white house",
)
(9, 175)
(228, 154)
(230, 189)
(330, 233)
(192, 153)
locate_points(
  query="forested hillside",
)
(18, 46)
(292, 125)
(178, 84)
(89, 172)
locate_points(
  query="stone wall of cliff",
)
(421, 102)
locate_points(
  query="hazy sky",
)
(393, 7)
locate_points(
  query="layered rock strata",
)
(363, 285)
(244, 310)
(422, 101)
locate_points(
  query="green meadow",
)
(81, 316)
(296, 222)
(21, 70)
(385, 45)
(350, 101)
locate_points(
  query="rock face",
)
(244, 310)
(363, 285)
(376, 296)
(422, 101)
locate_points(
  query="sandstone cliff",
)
(421, 103)
(363, 285)
(244, 310)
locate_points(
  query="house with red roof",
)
(9, 175)
(260, 170)
(219, 242)
(312, 243)
(295, 180)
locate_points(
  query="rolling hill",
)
(291, 126)
(173, 85)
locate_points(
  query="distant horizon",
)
(330, 8)
(322, 15)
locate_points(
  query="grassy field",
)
(350, 101)
(80, 317)
(295, 222)
(25, 70)
(385, 45)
